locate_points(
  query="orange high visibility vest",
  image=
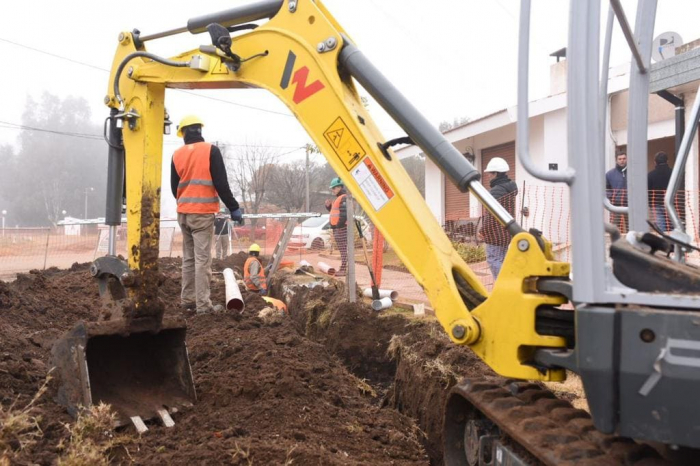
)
(335, 210)
(247, 276)
(195, 193)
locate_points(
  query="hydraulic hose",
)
(130, 57)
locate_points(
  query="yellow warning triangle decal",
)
(220, 68)
(336, 136)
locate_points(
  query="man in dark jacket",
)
(616, 190)
(504, 190)
(339, 220)
(657, 181)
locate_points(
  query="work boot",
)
(188, 306)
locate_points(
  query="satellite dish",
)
(665, 45)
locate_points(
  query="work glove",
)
(237, 216)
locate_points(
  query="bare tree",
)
(445, 126)
(415, 167)
(61, 153)
(287, 187)
(250, 168)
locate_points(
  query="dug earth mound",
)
(329, 383)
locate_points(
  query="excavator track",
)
(529, 425)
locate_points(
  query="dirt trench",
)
(409, 361)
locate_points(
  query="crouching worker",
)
(253, 271)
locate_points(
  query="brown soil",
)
(354, 332)
(267, 395)
(335, 383)
(428, 366)
(412, 358)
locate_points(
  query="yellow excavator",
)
(634, 342)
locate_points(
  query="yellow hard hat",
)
(254, 248)
(189, 120)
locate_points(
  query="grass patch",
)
(92, 438)
(19, 428)
(470, 253)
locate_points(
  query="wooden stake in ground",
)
(350, 278)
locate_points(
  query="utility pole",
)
(86, 200)
(350, 225)
(306, 178)
(4, 212)
(310, 149)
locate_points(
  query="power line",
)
(8, 125)
(97, 137)
(251, 107)
(52, 54)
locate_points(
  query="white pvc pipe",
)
(393, 294)
(234, 300)
(381, 304)
(304, 263)
(325, 268)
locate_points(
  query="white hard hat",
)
(497, 164)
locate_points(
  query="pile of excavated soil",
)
(267, 395)
(413, 359)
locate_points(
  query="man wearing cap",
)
(339, 220)
(504, 190)
(198, 179)
(253, 271)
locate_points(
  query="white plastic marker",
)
(234, 300)
(367, 293)
(381, 304)
(325, 268)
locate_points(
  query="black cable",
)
(128, 58)
(107, 71)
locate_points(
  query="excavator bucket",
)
(141, 373)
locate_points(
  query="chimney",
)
(557, 73)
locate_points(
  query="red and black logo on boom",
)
(299, 77)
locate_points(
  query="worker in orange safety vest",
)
(339, 220)
(253, 272)
(198, 179)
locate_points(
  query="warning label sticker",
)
(372, 183)
(344, 143)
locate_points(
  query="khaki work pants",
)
(197, 236)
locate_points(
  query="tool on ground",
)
(375, 290)
(278, 304)
(305, 270)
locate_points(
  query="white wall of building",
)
(435, 190)
(168, 204)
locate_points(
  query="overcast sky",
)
(451, 58)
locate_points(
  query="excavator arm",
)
(306, 59)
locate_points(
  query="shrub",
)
(470, 252)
